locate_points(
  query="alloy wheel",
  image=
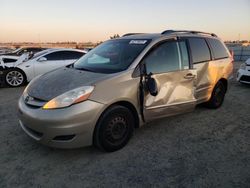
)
(14, 78)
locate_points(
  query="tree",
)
(115, 36)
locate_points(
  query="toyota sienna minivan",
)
(122, 84)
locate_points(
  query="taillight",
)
(232, 55)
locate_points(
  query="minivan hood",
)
(57, 82)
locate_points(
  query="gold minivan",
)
(122, 84)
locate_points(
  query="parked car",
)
(243, 75)
(5, 63)
(8, 59)
(5, 50)
(21, 51)
(27, 67)
(121, 85)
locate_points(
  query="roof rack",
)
(129, 34)
(187, 31)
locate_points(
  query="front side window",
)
(112, 56)
(166, 57)
(199, 49)
(64, 55)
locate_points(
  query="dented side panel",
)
(208, 74)
(176, 94)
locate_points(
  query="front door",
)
(169, 64)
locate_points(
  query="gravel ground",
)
(205, 148)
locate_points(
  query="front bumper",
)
(243, 75)
(70, 127)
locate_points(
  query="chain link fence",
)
(241, 53)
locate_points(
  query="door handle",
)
(189, 76)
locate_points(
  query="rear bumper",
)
(70, 127)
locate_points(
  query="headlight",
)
(243, 66)
(71, 97)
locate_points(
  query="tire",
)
(114, 129)
(15, 78)
(217, 97)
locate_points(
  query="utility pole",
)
(39, 40)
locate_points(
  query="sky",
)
(97, 20)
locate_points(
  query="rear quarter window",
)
(199, 50)
(218, 49)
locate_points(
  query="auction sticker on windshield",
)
(138, 42)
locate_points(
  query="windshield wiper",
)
(83, 69)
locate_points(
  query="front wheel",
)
(15, 78)
(114, 129)
(217, 96)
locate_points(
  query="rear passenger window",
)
(70, 55)
(55, 56)
(200, 50)
(219, 50)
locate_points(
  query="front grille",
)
(245, 78)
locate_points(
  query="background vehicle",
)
(5, 50)
(9, 58)
(243, 74)
(25, 70)
(21, 51)
(122, 84)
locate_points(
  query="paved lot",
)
(205, 148)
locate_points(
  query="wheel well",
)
(224, 81)
(131, 107)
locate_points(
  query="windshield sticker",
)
(137, 41)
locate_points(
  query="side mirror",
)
(151, 85)
(42, 59)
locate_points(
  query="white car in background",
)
(28, 67)
(5, 50)
(243, 74)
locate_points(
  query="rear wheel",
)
(217, 97)
(114, 128)
(15, 78)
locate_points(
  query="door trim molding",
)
(168, 105)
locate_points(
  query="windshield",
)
(112, 56)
